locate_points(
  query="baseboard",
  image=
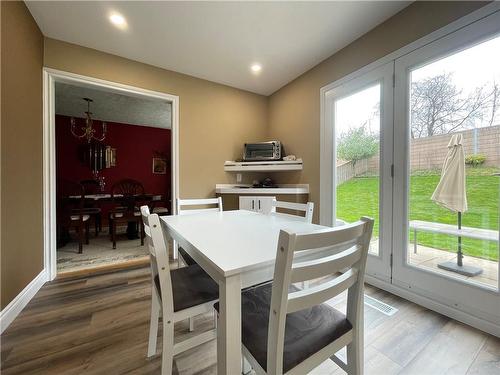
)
(14, 308)
(436, 306)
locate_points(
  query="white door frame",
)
(418, 296)
(377, 265)
(477, 300)
(50, 77)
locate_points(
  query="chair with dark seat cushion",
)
(191, 287)
(186, 258)
(71, 211)
(177, 295)
(201, 204)
(289, 330)
(126, 195)
(293, 209)
(306, 331)
(93, 187)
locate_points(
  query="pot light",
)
(118, 20)
(256, 68)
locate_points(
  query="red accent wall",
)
(135, 148)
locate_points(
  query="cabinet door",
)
(248, 203)
(264, 204)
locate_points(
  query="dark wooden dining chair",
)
(71, 212)
(127, 195)
(92, 187)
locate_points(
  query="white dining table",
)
(237, 249)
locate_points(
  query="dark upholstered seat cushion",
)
(306, 331)
(187, 258)
(191, 287)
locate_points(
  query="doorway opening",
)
(109, 149)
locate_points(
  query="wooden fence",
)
(345, 171)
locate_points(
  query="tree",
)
(357, 144)
(494, 103)
(439, 107)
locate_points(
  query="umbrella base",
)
(464, 270)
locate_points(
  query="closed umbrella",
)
(451, 194)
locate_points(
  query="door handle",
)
(253, 204)
(259, 204)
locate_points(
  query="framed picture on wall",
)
(159, 166)
(110, 157)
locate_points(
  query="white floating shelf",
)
(242, 189)
(263, 166)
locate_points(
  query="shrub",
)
(475, 159)
(357, 144)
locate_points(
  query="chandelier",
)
(87, 131)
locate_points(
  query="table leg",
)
(229, 329)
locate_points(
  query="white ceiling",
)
(217, 41)
(112, 107)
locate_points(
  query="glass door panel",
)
(362, 117)
(456, 96)
(357, 121)
(447, 171)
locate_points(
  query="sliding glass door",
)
(362, 133)
(415, 144)
(447, 164)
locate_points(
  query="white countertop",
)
(248, 189)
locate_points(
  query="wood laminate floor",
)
(99, 325)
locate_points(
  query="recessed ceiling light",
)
(118, 20)
(256, 68)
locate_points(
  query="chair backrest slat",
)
(329, 237)
(307, 208)
(197, 211)
(310, 297)
(347, 252)
(313, 269)
(198, 202)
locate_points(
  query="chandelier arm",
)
(88, 130)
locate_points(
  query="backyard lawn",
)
(359, 196)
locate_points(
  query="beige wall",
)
(215, 120)
(21, 154)
(294, 110)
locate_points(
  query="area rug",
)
(99, 252)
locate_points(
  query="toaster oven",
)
(261, 151)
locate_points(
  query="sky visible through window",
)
(473, 68)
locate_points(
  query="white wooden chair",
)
(181, 204)
(292, 331)
(177, 295)
(307, 208)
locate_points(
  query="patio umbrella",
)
(451, 194)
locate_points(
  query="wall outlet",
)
(238, 177)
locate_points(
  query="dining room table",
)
(130, 202)
(238, 250)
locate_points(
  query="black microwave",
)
(261, 151)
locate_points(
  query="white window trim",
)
(50, 77)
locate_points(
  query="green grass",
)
(359, 196)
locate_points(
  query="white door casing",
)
(377, 266)
(472, 298)
(50, 77)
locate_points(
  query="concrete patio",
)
(428, 258)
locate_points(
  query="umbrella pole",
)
(459, 267)
(460, 256)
